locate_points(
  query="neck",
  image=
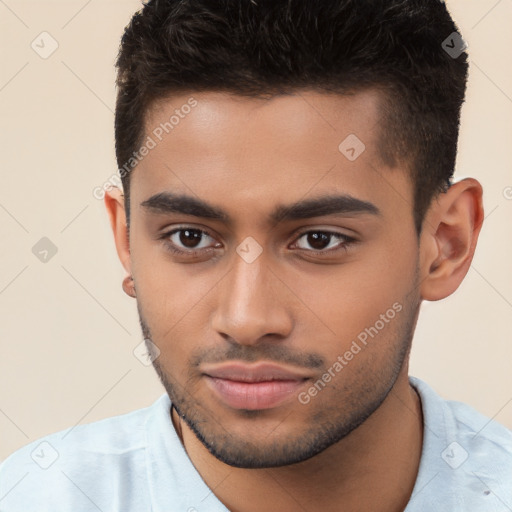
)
(373, 468)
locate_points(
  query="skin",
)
(358, 441)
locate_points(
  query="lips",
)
(254, 387)
(253, 373)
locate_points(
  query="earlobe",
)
(449, 238)
(129, 286)
(114, 203)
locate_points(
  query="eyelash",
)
(347, 242)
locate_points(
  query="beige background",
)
(67, 331)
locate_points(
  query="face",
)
(263, 231)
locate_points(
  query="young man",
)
(288, 204)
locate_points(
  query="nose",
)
(253, 304)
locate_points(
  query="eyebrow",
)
(168, 202)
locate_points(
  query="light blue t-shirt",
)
(136, 463)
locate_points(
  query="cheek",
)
(362, 300)
(164, 296)
(167, 290)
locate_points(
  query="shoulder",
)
(462, 421)
(466, 453)
(76, 467)
(484, 443)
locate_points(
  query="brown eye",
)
(323, 241)
(189, 237)
(188, 241)
(318, 241)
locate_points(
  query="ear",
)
(114, 202)
(448, 239)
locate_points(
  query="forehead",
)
(252, 152)
(297, 121)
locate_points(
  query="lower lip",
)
(254, 395)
